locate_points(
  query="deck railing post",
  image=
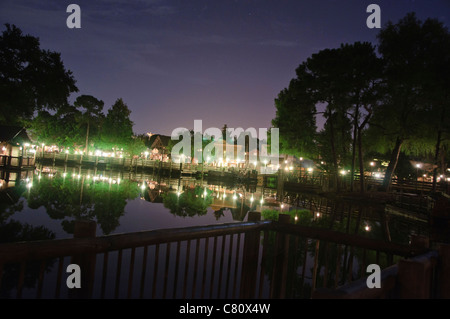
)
(84, 229)
(415, 279)
(250, 260)
(419, 242)
(443, 271)
(280, 265)
(280, 185)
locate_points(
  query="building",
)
(158, 145)
(15, 147)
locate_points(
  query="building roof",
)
(157, 140)
(14, 134)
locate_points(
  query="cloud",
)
(278, 43)
(32, 14)
(124, 10)
(209, 39)
(161, 10)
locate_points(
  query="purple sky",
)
(220, 61)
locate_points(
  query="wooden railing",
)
(253, 259)
(132, 164)
(320, 180)
(299, 178)
(16, 161)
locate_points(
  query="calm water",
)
(44, 204)
(39, 205)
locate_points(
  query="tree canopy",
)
(117, 127)
(92, 114)
(31, 79)
(411, 51)
(398, 100)
(35, 88)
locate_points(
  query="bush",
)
(304, 216)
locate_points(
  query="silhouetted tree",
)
(295, 118)
(362, 76)
(92, 113)
(117, 128)
(31, 79)
(408, 50)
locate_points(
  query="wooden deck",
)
(144, 165)
(16, 162)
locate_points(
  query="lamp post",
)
(310, 170)
(418, 165)
(181, 163)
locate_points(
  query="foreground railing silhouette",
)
(253, 259)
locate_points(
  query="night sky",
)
(175, 61)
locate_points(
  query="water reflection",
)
(69, 195)
(75, 197)
(11, 201)
(115, 200)
(188, 203)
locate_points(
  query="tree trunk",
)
(360, 151)
(361, 161)
(436, 159)
(392, 164)
(87, 138)
(355, 129)
(333, 153)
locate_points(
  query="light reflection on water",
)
(118, 201)
(52, 199)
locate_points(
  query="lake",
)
(45, 204)
(48, 203)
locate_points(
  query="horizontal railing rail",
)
(26, 251)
